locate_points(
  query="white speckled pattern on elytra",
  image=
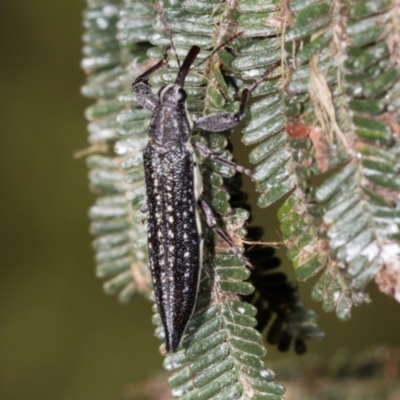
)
(173, 188)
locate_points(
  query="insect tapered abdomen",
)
(174, 235)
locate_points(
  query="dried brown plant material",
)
(142, 278)
(93, 149)
(296, 129)
(321, 147)
(391, 121)
(393, 38)
(324, 109)
(388, 281)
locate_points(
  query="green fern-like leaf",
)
(331, 104)
(279, 306)
(349, 75)
(113, 33)
(222, 354)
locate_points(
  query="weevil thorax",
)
(171, 122)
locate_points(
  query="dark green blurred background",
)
(60, 337)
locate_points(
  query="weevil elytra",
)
(173, 190)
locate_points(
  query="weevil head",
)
(172, 95)
(175, 94)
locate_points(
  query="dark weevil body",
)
(173, 188)
(174, 230)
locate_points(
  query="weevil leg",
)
(145, 96)
(206, 152)
(212, 224)
(219, 122)
(146, 75)
(223, 121)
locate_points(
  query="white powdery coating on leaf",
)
(265, 374)
(336, 296)
(391, 256)
(392, 228)
(357, 245)
(177, 392)
(110, 10)
(371, 251)
(102, 23)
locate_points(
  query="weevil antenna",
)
(166, 27)
(219, 47)
(187, 62)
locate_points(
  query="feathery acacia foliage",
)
(372, 374)
(331, 103)
(113, 60)
(339, 78)
(121, 246)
